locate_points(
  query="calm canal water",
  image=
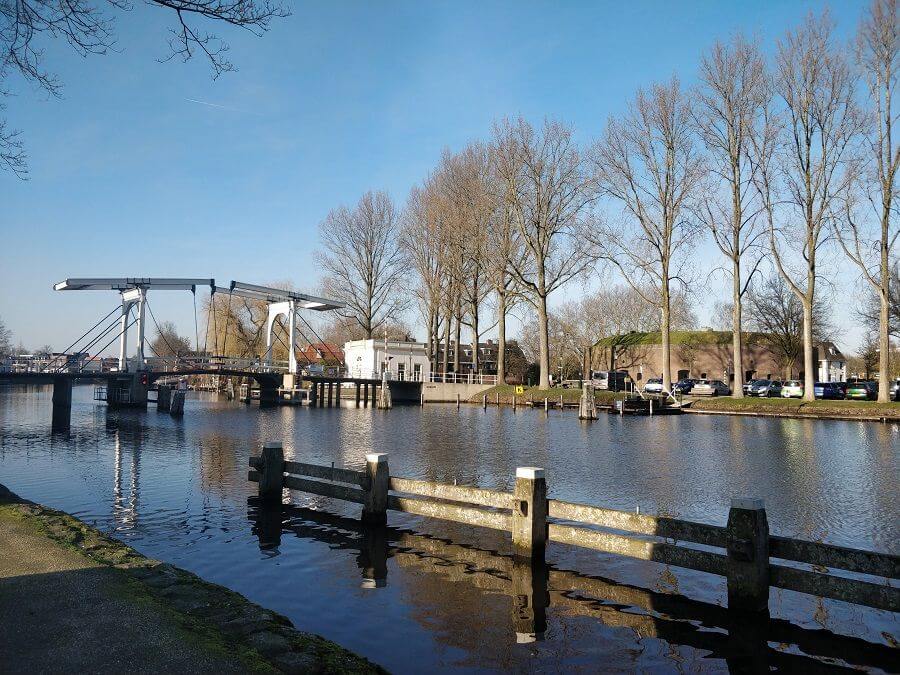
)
(431, 596)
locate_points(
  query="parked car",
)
(865, 391)
(828, 390)
(610, 380)
(653, 386)
(710, 388)
(684, 386)
(792, 389)
(746, 387)
(895, 390)
(764, 388)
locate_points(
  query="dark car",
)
(683, 386)
(828, 390)
(866, 391)
(895, 390)
(764, 388)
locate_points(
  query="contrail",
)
(214, 105)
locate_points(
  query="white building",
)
(407, 361)
(832, 364)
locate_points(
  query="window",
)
(401, 371)
(417, 372)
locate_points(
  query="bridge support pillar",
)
(163, 398)
(62, 403)
(365, 395)
(330, 394)
(357, 394)
(268, 393)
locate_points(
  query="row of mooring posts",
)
(324, 393)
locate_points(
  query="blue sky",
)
(130, 177)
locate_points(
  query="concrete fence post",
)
(748, 556)
(378, 480)
(271, 472)
(529, 514)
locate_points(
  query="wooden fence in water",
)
(743, 551)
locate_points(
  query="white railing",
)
(463, 378)
(181, 363)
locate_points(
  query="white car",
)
(710, 388)
(654, 386)
(792, 389)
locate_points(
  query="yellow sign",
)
(520, 389)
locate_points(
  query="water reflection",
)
(452, 597)
(540, 594)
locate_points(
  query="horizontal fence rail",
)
(745, 547)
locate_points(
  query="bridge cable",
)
(209, 310)
(304, 336)
(106, 331)
(84, 335)
(196, 328)
(278, 337)
(215, 324)
(162, 335)
(324, 344)
(227, 318)
(100, 351)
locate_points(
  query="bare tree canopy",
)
(801, 159)
(730, 100)
(869, 230)
(776, 311)
(5, 339)
(364, 263)
(88, 27)
(169, 343)
(648, 166)
(549, 190)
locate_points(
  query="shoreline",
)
(203, 616)
(848, 411)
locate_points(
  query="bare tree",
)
(422, 239)
(364, 262)
(727, 112)
(648, 165)
(88, 29)
(800, 160)
(506, 252)
(5, 340)
(870, 310)
(869, 244)
(774, 310)
(550, 191)
(169, 343)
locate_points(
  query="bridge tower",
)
(130, 390)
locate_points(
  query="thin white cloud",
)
(215, 105)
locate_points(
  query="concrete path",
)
(61, 612)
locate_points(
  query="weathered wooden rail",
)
(746, 554)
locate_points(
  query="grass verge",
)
(507, 393)
(798, 408)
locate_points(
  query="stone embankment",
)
(75, 600)
(871, 411)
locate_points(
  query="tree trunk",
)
(884, 329)
(666, 347)
(544, 336)
(884, 344)
(809, 375)
(737, 389)
(457, 346)
(501, 338)
(475, 339)
(446, 355)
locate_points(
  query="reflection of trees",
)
(456, 592)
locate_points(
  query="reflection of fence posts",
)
(533, 520)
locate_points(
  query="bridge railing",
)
(462, 378)
(742, 551)
(181, 363)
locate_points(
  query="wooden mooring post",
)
(748, 556)
(529, 513)
(378, 480)
(271, 472)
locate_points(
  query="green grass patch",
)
(796, 406)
